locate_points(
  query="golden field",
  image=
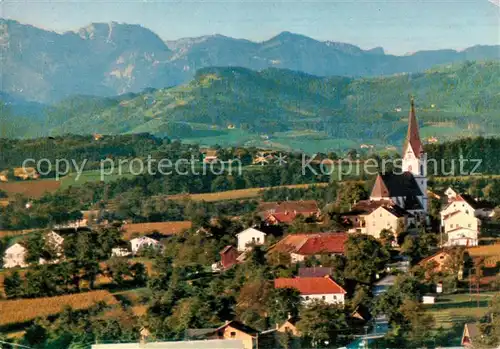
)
(24, 310)
(236, 194)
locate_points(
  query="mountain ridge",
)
(107, 59)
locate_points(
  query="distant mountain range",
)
(236, 105)
(107, 59)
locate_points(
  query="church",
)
(398, 200)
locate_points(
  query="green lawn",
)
(459, 308)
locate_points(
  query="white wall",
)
(378, 220)
(250, 236)
(140, 242)
(15, 256)
(331, 298)
(462, 237)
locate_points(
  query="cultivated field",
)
(32, 189)
(235, 194)
(24, 310)
(166, 228)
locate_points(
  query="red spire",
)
(413, 137)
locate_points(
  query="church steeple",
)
(413, 135)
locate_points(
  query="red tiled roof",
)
(301, 206)
(324, 243)
(312, 243)
(283, 217)
(309, 286)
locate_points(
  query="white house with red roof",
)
(310, 288)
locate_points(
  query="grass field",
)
(451, 309)
(24, 310)
(234, 194)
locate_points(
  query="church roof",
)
(396, 185)
(413, 137)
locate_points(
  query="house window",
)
(233, 334)
(373, 223)
(335, 297)
(307, 298)
(469, 225)
(323, 297)
(258, 239)
(253, 239)
(451, 225)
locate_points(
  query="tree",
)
(419, 324)
(118, 269)
(320, 323)
(387, 237)
(13, 285)
(140, 276)
(365, 257)
(283, 303)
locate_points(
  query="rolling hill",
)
(238, 105)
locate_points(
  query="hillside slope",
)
(458, 99)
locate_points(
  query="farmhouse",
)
(286, 211)
(322, 288)
(144, 242)
(301, 246)
(436, 262)
(231, 330)
(15, 256)
(371, 217)
(289, 326)
(250, 236)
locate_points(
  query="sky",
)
(399, 26)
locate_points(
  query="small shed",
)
(429, 298)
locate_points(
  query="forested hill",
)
(454, 101)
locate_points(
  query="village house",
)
(462, 217)
(436, 262)
(228, 257)
(314, 272)
(289, 326)
(301, 246)
(15, 256)
(250, 236)
(321, 288)
(210, 155)
(231, 330)
(372, 217)
(144, 242)
(53, 242)
(382, 285)
(285, 212)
